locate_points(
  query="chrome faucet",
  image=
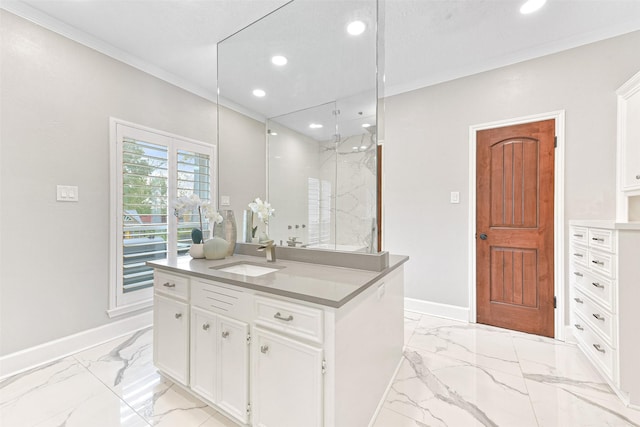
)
(293, 241)
(269, 249)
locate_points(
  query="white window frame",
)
(121, 303)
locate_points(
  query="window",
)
(319, 196)
(150, 169)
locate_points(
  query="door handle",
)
(483, 236)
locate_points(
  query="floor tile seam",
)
(526, 387)
(120, 398)
(405, 415)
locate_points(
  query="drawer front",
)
(578, 235)
(599, 318)
(579, 254)
(602, 239)
(603, 263)
(171, 284)
(600, 289)
(595, 347)
(293, 319)
(221, 298)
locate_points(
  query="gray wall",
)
(426, 153)
(56, 100)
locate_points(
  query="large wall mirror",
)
(310, 70)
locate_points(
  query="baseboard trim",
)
(33, 357)
(386, 392)
(447, 311)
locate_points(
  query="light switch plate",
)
(67, 193)
(455, 197)
(225, 200)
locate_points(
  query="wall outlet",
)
(225, 200)
(67, 193)
(455, 197)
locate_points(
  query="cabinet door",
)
(631, 143)
(171, 337)
(233, 367)
(287, 382)
(204, 353)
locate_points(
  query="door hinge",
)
(248, 408)
(336, 112)
(324, 366)
(555, 302)
(555, 141)
(248, 338)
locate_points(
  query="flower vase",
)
(215, 248)
(197, 250)
(247, 226)
(263, 237)
(227, 230)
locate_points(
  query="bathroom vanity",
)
(280, 344)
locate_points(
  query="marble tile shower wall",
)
(452, 374)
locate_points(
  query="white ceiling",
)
(426, 41)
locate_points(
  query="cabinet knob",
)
(598, 285)
(264, 349)
(225, 334)
(289, 318)
(205, 327)
(599, 348)
(178, 315)
(169, 285)
(579, 327)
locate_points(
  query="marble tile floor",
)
(452, 374)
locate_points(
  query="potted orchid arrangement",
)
(190, 203)
(263, 211)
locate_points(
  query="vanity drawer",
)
(595, 347)
(603, 263)
(600, 289)
(579, 235)
(579, 254)
(221, 298)
(293, 319)
(599, 318)
(171, 284)
(602, 239)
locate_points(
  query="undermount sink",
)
(246, 269)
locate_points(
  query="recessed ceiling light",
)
(355, 148)
(531, 6)
(356, 28)
(363, 147)
(315, 126)
(279, 60)
(273, 133)
(366, 125)
(259, 93)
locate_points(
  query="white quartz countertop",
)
(606, 223)
(317, 283)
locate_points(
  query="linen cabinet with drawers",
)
(605, 300)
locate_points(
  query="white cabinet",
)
(171, 337)
(220, 361)
(287, 381)
(605, 290)
(628, 148)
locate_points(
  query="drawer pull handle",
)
(637, 176)
(577, 273)
(598, 285)
(598, 316)
(578, 255)
(579, 327)
(578, 235)
(286, 319)
(169, 285)
(264, 349)
(599, 348)
(595, 261)
(578, 300)
(205, 327)
(598, 239)
(225, 334)
(178, 315)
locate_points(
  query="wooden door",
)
(514, 225)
